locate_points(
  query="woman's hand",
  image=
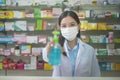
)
(48, 46)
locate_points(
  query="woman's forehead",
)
(68, 19)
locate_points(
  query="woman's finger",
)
(49, 46)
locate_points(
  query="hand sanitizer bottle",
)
(55, 51)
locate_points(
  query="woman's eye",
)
(63, 26)
(72, 25)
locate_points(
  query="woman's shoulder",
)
(86, 45)
(88, 48)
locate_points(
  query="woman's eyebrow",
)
(72, 22)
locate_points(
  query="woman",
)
(78, 58)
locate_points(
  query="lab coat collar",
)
(66, 45)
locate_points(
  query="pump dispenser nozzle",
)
(55, 38)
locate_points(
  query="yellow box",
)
(47, 66)
(84, 25)
(110, 27)
(1, 65)
(9, 14)
(92, 26)
(102, 26)
(117, 66)
(3, 14)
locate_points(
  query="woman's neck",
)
(72, 43)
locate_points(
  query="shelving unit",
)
(97, 8)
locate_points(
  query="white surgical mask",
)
(69, 33)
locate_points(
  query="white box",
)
(9, 26)
(32, 39)
(20, 26)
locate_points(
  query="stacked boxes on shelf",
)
(23, 25)
(11, 64)
(108, 66)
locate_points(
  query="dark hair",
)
(63, 15)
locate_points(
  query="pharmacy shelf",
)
(28, 7)
(108, 20)
(2, 72)
(99, 32)
(110, 73)
(99, 7)
(103, 45)
(26, 18)
(36, 32)
(27, 73)
(8, 45)
(106, 58)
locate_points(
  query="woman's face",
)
(68, 22)
(69, 28)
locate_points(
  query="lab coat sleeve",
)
(44, 54)
(95, 66)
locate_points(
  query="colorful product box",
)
(20, 26)
(105, 66)
(9, 14)
(32, 39)
(2, 2)
(39, 24)
(113, 66)
(40, 64)
(7, 52)
(102, 52)
(117, 66)
(56, 12)
(7, 39)
(19, 14)
(1, 51)
(33, 61)
(31, 26)
(2, 26)
(42, 39)
(81, 15)
(37, 12)
(2, 14)
(29, 14)
(84, 25)
(94, 39)
(20, 37)
(20, 66)
(102, 26)
(9, 26)
(1, 65)
(26, 50)
(92, 26)
(47, 66)
(27, 66)
(36, 51)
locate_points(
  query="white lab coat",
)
(86, 63)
